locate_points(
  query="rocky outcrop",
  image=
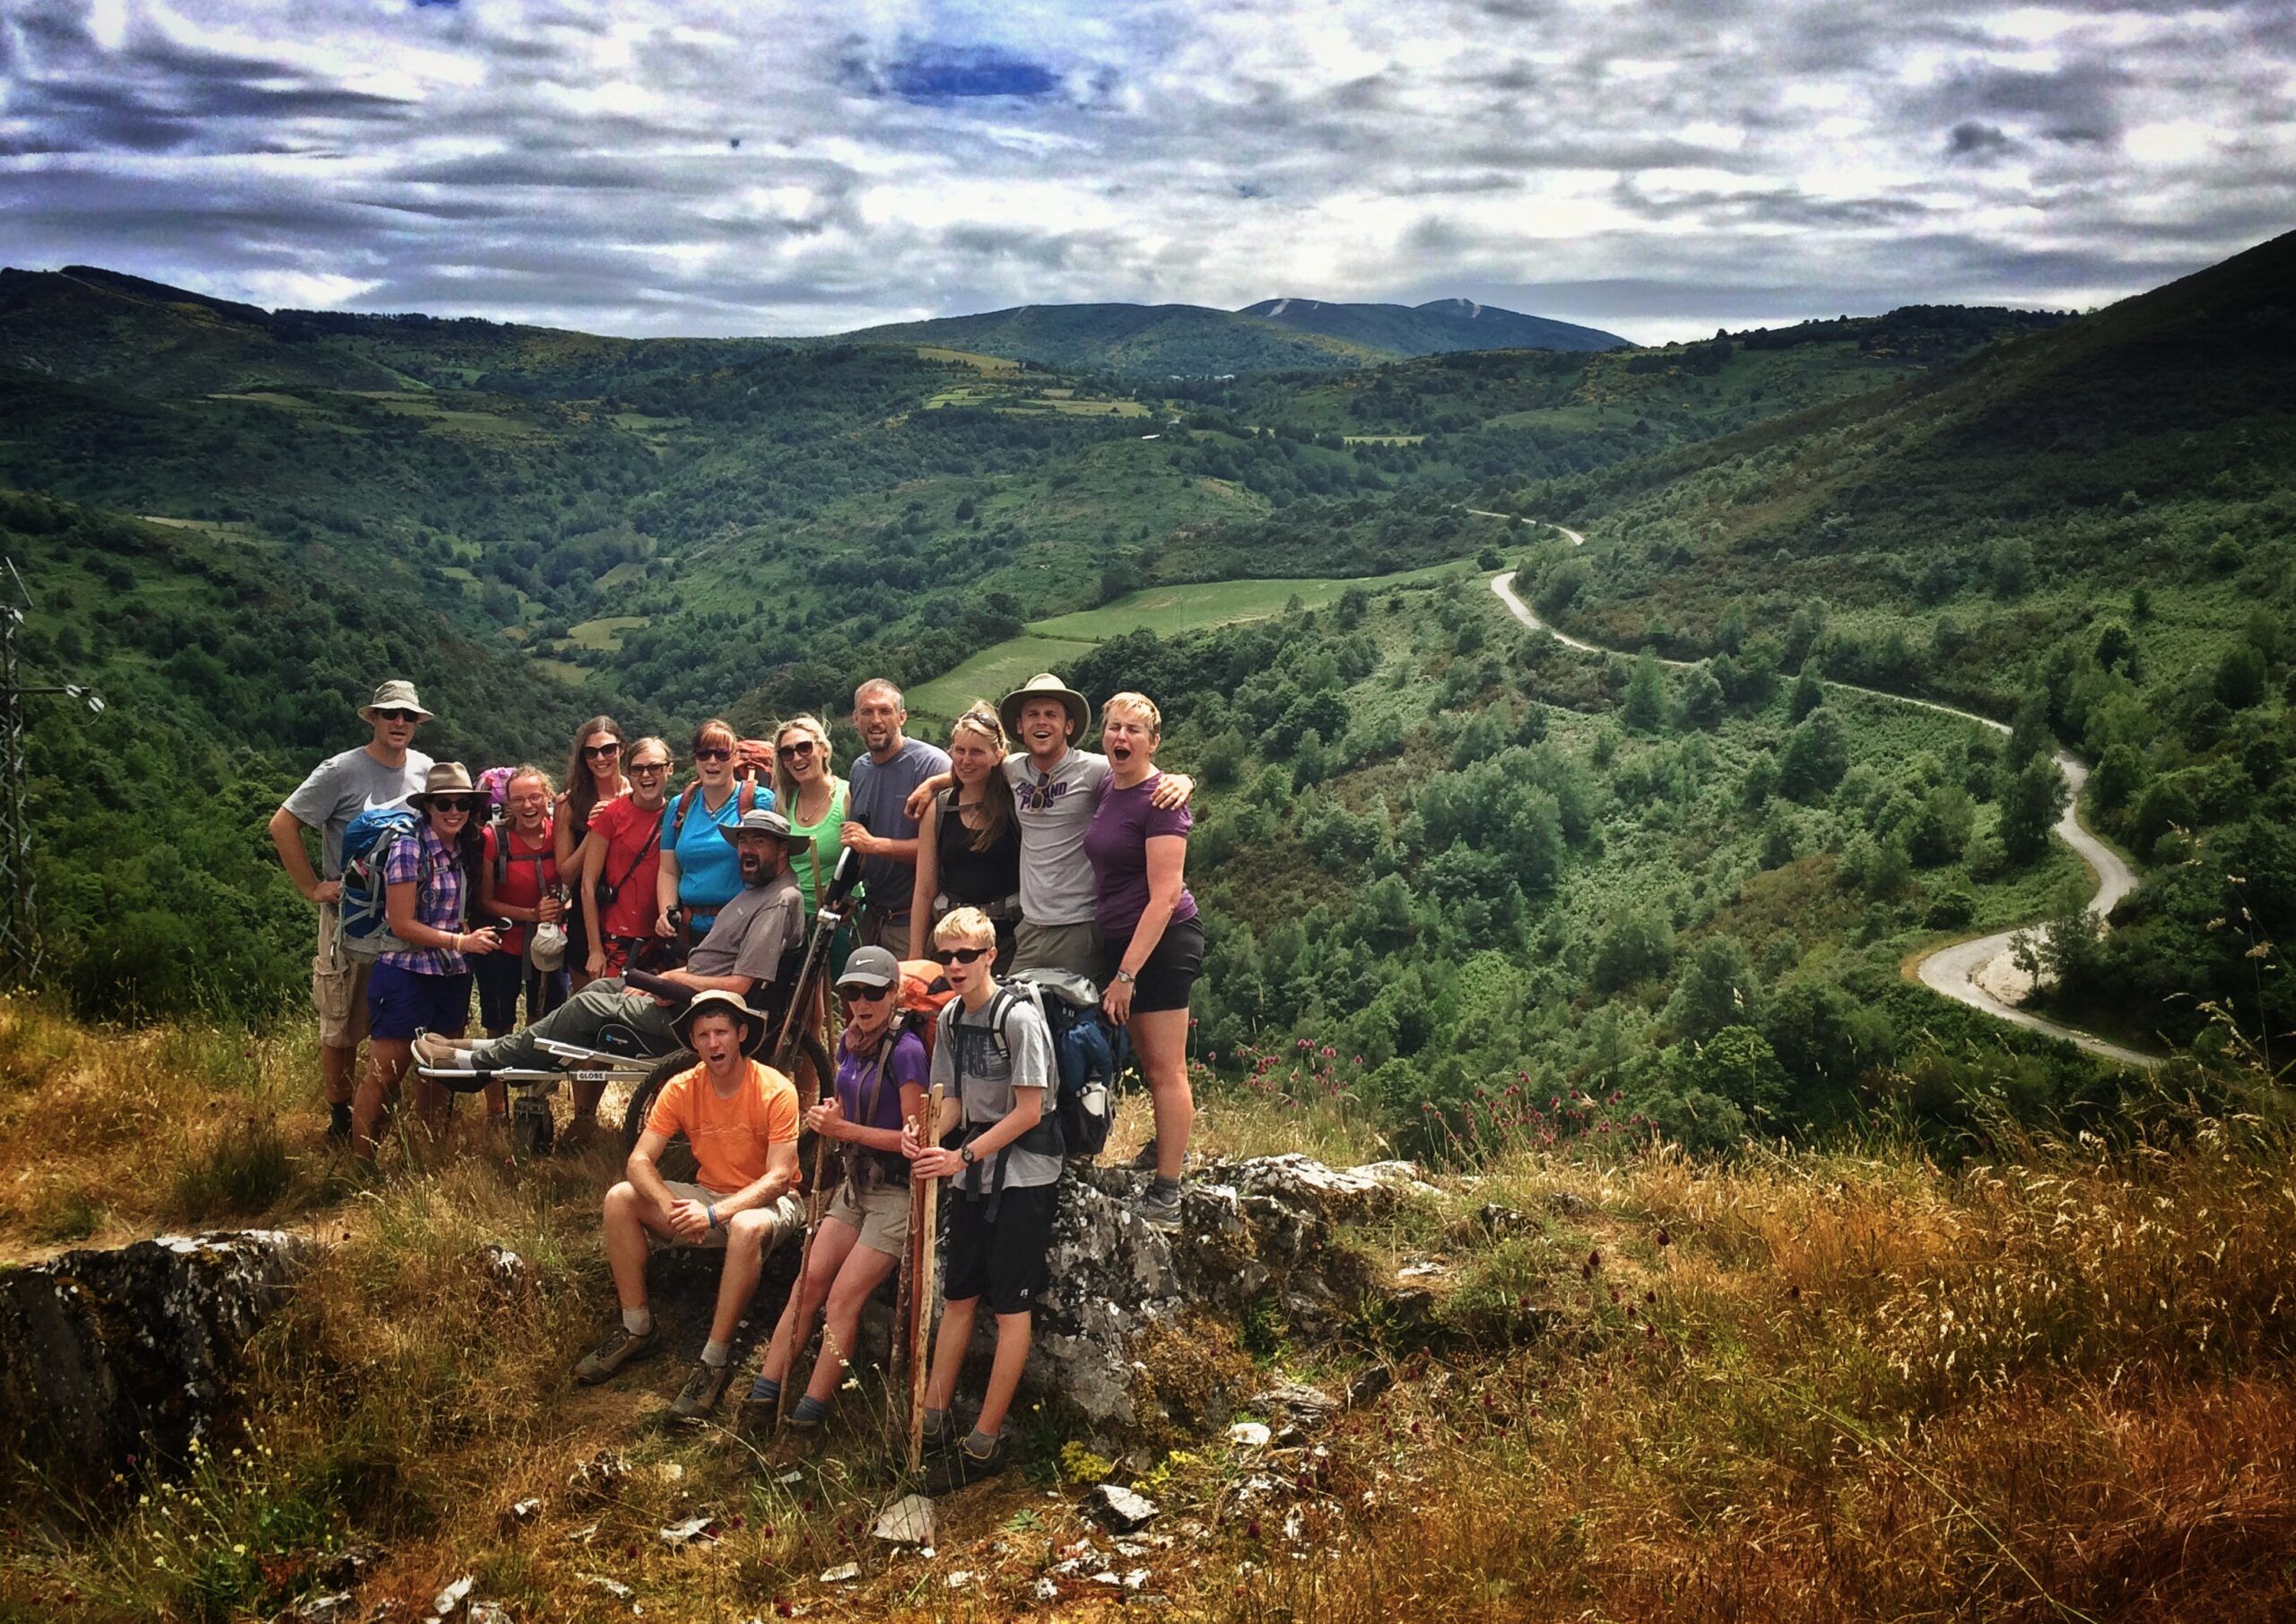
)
(110, 1358)
(1255, 1230)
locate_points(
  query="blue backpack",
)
(1087, 1054)
(364, 930)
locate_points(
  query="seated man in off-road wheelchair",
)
(620, 1028)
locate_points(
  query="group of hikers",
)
(1013, 854)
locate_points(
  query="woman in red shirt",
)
(518, 883)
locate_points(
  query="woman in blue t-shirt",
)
(700, 870)
(881, 1074)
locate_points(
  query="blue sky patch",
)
(944, 72)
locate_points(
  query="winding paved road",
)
(1952, 970)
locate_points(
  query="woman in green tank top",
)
(812, 796)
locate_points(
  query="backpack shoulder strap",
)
(685, 804)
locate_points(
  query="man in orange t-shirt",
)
(741, 1119)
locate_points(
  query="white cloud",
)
(721, 166)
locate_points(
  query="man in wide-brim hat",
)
(382, 772)
(740, 1118)
(1055, 788)
(753, 941)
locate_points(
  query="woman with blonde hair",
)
(1153, 943)
(812, 797)
(968, 850)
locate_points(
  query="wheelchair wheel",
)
(810, 1068)
(676, 1161)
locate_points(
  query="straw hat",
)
(1045, 685)
(723, 1003)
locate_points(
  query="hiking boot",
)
(1160, 1208)
(800, 1441)
(703, 1390)
(1144, 1159)
(960, 1466)
(753, 1417)
(622, 1346)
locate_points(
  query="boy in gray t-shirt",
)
(382, 772)
(993, 1058)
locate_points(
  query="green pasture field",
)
(1167, 611)
(993, 673)
(605, 631)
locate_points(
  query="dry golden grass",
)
(1795, 1385)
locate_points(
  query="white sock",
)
(716, 1354)
(638, 1321)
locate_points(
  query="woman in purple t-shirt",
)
(1154, 944)
(880, 1083)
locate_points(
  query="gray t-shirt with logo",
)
(967, 1055)
(1055, 809)
(343, 786)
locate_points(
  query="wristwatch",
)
(1126, 977)
(964, 1154)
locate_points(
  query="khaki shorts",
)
(1074, 948)
(879, 1212)
(338, 987)
(788, 1217)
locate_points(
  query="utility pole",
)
(18, 913)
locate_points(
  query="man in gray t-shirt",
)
(382, 772)
(877, 820)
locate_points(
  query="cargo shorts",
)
(339, 985)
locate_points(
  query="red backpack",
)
(924, 989)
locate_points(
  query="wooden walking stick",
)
(923, 1210)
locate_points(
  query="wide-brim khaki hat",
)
(723, 1003)
(1045, 685)
(397, 694)
(444, 778)
(758, 820)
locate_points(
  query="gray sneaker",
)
(622, 1346)
(703, 1390)
(1160, 1208)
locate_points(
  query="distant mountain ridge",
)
(1275, 334)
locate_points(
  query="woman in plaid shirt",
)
(426, 877)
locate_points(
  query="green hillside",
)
(1152, 339)
(1433, 328)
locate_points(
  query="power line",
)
(20, 945)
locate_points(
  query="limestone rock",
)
(1120, 1508)
(113, 1357)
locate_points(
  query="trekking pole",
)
(800, 1332)
(923, 1211)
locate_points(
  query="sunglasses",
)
(638, 767)
(804, 747)
(961, 955)
(713, 752)
(600, 751)
(400, 716)
(461, 803)
(864, 995)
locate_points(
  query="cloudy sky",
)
(1657, 167)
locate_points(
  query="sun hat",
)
(1045, 685)
(758, 820)
(397, 694)
(723, 1003)
(444, 778)
(546, 946)
(871, 967)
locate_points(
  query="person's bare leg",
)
(831, 1243)
(949, 1351)
(433, 1104)
(498, 1095)
(1160, 1040)
(387, 1060)
(338, 1072)
(586, 1095)
(865, 1270)
(630, 1218)
(749, 1236)
(1004, 1374)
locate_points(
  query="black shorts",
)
(1000, 1258)
(502, 979)
(1165, 981)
